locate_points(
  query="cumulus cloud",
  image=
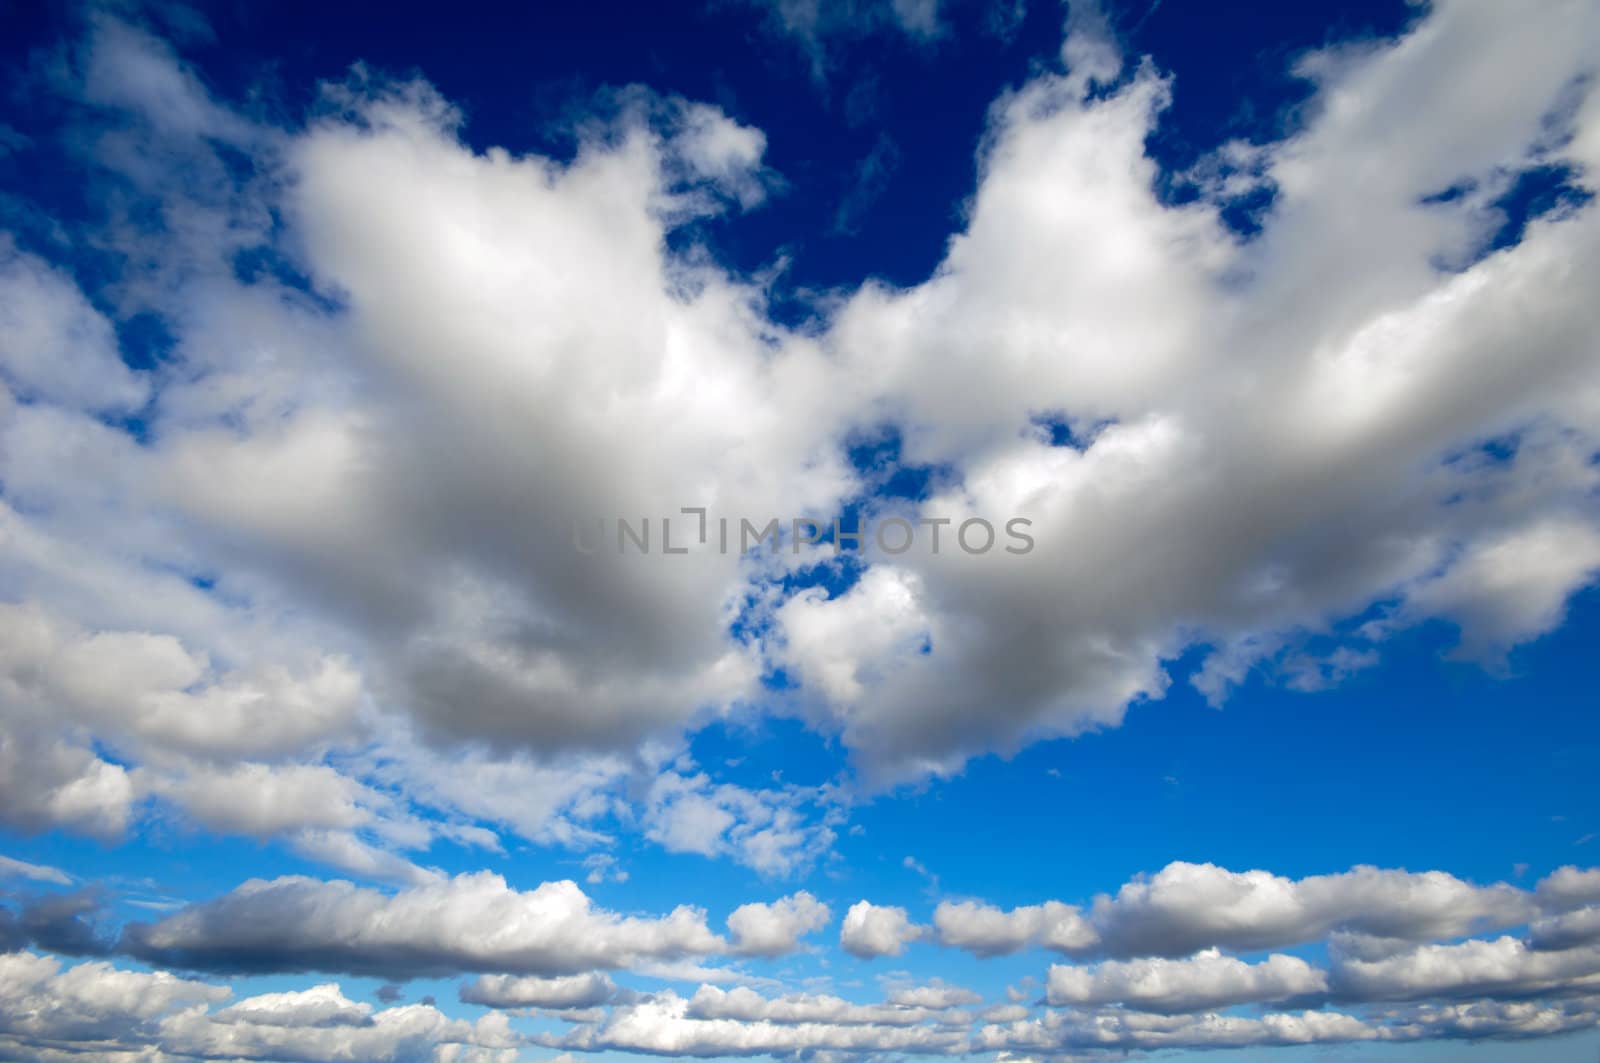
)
(775, 929)
(1285, 431)
(50, 1013)
(1186, 907)
(985, 930)
(560, 993)
(1503, 967)
(871, 930)
(666, 1024)
(1202, 982)
(316, 573)
(316, 536)
(775, 831)
(471, 922)
(1569, 887)
(746, 1005)
(1581, 927)
(1116, 1029)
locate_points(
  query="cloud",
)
(775, 831)
(50, 1013)
(775, 929)
(1115, 1029)
(319, 519)
(564, 992)
(746, 1005)
(985, 930)
(1186, 907)
(1569, 887)
(12, 867)
(471, 922)
(1202, 982)
(935, 995)
(820, 27)
(1505, 967)
(667, 1025)
(872, 930)
(1581, 927)
(54, 346)
(1285, 431)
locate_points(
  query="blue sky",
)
(1260, 343)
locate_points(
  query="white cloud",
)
(872, 930)
(511, 320)
(12, 867)
(1270, 435)
(665, 1024)
(746, 1005)
(49, 1013)
(54, 346)
(985, 930)
(775, 831)
(1115, 1029)
(1186, 907)
(775, 929)
(1570, 930)
(1569, 887)
(562, 992)
(1504, 967)
(1203, 982)
(471, 922)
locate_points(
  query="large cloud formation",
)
(304, 570)
(400, 370)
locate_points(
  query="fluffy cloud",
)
(243, 602)
(471, 922)
(1202, 982)
(560, 993)
(1504, 967)
(1116, 1029)
(775, 929)
(871, 930)
(775, 831)
(1581, 927)
(56, 347)
(1569, 887)
(1327, 379)
(1186, 907)
(319, 521)
(90, 1001)
(667, 1025)
(50, 1013)
(746, 1005)
(985, 930)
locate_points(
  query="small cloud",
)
(11, 868)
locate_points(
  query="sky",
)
(800, 529)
